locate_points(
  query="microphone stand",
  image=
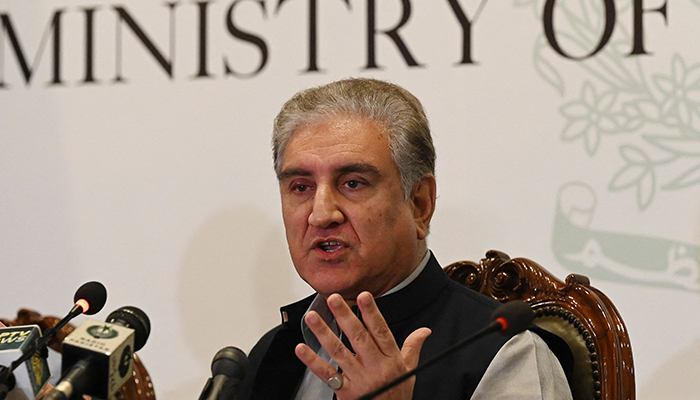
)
(40, 345)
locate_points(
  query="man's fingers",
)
(378, 358)
(361, 339)
(376, 324)
(412, 345)
(330, 342)
(316, 364)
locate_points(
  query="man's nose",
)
(326, 212)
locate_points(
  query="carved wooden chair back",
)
(574, 310)
(139, 387)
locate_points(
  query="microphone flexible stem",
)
(48, 335)
(492, 327)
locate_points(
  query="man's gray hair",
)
(400, 112)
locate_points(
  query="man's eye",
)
(353, 184)
(300, 188)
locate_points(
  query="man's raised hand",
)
(377, 359)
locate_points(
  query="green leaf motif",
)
(646, 190)
(629, 176)
(545, 69)
(620, 96)
(638, 173)
(681, 146)
(537, 6)
(643, 109)
(592, 138)
(634, 155)
(688, 178)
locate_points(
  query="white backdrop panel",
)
(161, 186)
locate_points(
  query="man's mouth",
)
(330, 246)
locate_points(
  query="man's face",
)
(348, 225)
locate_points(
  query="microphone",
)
(509, 318)
(514, 317)
(134, 318)
(29, 379)
(98, 356)
(91, 297)
(88, 299)
(228, 369)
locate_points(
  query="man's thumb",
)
(412, 345)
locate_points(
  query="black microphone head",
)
(515, 316)
(230, 361)
(92, 296)
(134, 318)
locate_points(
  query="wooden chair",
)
(574, 310)
(139, 387)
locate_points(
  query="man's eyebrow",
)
(362, 168)
(288, 173)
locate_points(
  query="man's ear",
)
(423, 202)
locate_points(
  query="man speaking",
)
(356, 169)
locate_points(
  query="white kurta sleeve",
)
(524, 369)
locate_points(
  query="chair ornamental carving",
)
(574, 310)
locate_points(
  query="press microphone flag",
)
(98, 356)
(509, 318)
(88, 299)
(29, 377)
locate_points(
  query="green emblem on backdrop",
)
(646, 108)
(615, 256)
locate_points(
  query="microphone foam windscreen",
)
(230, 361)
(134, 318)
(517, 314)
(94, 293)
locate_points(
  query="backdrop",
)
(134, 150)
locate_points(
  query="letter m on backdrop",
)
(8, 35)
